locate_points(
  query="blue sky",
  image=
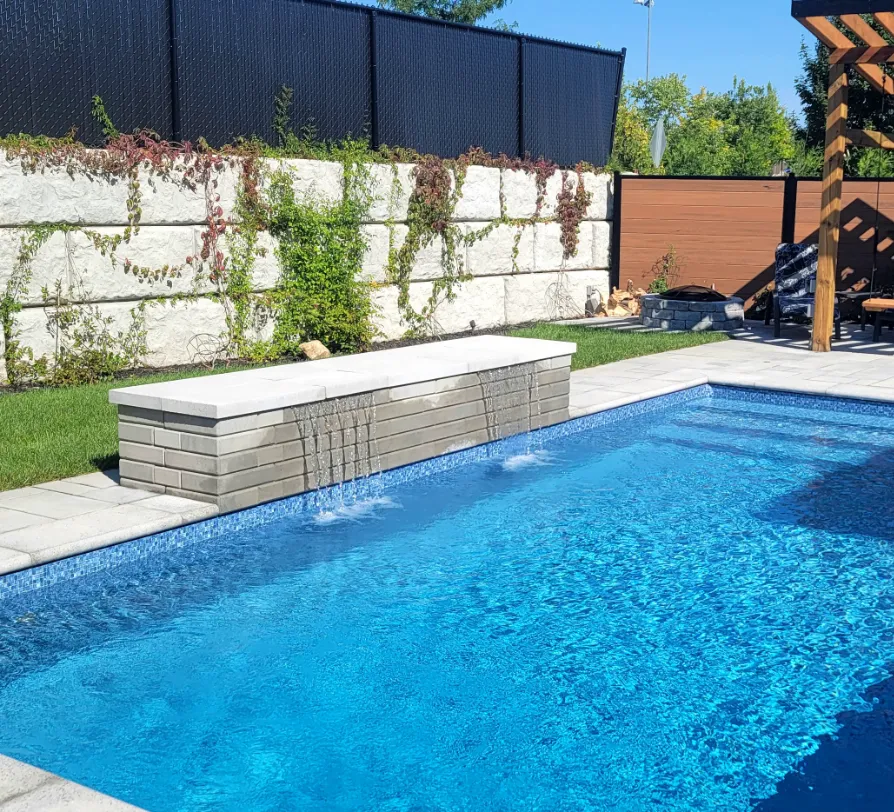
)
(708, 41)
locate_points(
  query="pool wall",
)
(245, 438)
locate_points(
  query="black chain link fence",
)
(191, 68)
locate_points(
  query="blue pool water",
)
(689, 610)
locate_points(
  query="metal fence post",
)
(789, 208)
(614, 274)
(521, 97)
(175, 74)
(373, 81)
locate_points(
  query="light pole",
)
(648, 4)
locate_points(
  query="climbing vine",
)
(320, 294)
(429, 218)
(571, 208)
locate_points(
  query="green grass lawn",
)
(48, 434)
(602, 346)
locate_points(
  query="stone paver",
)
(57, 519)
(24, 788)
(855, 368)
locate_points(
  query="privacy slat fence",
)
(725, 230)
(211, 68)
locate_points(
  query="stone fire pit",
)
(693, 308)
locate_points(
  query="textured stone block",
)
(548, 251)
(166, 199)
(554, 185)
(505, 249)
(391, 187)
(135, 433)
(480, 195)
(549, 296)
(601, 189)
(602, 244)
(380, 239)
(313, 181)
(480, 300)
(141, 453)
(266, 270)
(519, 194)
(54, 196)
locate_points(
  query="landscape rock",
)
(314, 350)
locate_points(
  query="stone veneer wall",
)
(243, 461)
(538, 284)
(669, 314)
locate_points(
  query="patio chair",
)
(795, 288)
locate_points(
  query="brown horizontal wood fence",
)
(725, 230)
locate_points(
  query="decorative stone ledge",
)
(249, 437)
(668, 314)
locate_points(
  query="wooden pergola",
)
(862, 48)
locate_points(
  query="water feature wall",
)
(213, 439)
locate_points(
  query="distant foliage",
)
(741, 132)
(454, 11)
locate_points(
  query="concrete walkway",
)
(24, 788)
(855, 368)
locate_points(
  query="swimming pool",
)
(665, 612)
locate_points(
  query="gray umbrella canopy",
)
(659, 142)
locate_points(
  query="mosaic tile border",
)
(107, 558)
(777, 397)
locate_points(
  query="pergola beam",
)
(870, 138)
(834, 39)
(886, 20)
(862, 56)
(830, 216)
(835, 8)
(864, 30)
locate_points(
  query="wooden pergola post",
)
(830, 215)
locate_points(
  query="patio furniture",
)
(883, 310)
(795, 285)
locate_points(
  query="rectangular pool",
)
(670, 611)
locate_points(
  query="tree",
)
(741, 132)
(631, 150)
(663, 94)
(454, 11)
